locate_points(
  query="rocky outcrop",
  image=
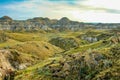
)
(89, 36)
(92, 36)
(10, 62)
(115, 39)
(89, 39)
(5, 65)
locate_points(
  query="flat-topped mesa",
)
(5, 18)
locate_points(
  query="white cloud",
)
(87, 10)
(110, 4)
(97, 17)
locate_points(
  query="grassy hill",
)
(90, 65)
(63, 55)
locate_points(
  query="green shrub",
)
(64, 43)
(3, 37)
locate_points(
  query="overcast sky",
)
(78, 10)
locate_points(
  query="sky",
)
(105, 11)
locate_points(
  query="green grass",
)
(27, 36)
(83, 48)
(9, 43)
(21, 75)
(40, 49)
(35, 48)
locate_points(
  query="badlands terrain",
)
(51, 49)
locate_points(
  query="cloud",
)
(81, 10)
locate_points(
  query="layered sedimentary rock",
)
(7, 23)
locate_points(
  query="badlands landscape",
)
(58, 49)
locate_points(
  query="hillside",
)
(45, 49)
(59, 39)
(20, 50)
(81, 55)
(93, 61)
